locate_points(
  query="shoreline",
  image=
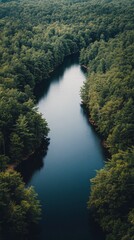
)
(95, 127)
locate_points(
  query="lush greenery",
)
(35, 38)
(109, 91)
(112, 196)
(108, 95)
(19, 207)
(22, 127)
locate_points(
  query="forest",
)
(36, 36)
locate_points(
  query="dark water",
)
(61, 178)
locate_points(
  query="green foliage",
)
(109, 91)
(22, 127)
(19, 207)
(108, 94)
(4, 161)
(35, 38)
(112, 196)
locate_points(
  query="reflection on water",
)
(61, 177)
(56, 76)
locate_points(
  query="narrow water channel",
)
(61, 178)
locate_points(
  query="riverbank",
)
(62, 177)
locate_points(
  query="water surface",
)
(61, 178)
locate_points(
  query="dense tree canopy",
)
(19, 207)
(35, 38)
(108, 95)
(22, 128)
(112, 196)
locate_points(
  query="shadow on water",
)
(34, 163)
(85, 113)
(95, 229)
(56, 76)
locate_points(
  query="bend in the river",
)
(61, 178)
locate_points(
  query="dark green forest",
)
(35, 38)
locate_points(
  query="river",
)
(61, 177)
